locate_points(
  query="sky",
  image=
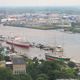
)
(39, 2)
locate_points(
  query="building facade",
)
(19, 65)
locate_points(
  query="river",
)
(70, 42)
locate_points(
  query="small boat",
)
(2, 38)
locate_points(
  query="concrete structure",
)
(9, 64)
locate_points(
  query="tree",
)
(7, 58)
(67, 73)
(5, 74)
(22, 77)
(1, 57)
(52, 69)
(42, 77)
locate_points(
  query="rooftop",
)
(18, 60)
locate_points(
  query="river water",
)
(70, 42)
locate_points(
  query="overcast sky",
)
(39, 2)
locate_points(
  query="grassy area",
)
(41, 27)
(45, 27)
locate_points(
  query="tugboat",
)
(57, 54)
